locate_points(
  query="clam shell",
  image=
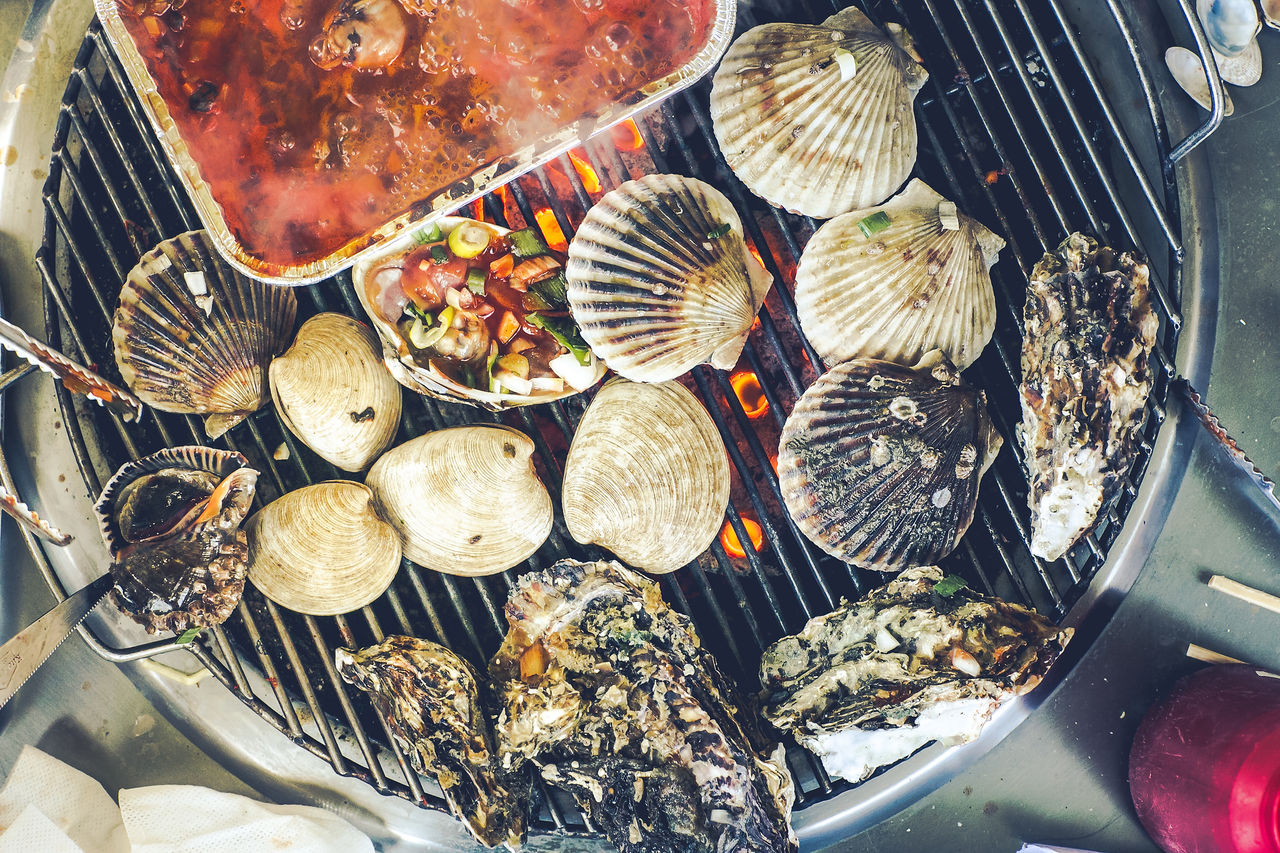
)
(1243, 69)
(647, 476)
(1189, 74)
(651, 291)
(333, 392)
(322, 549)
(911, 288)
(193, 336)
(879, 464)
(466, 500)
(818, 119)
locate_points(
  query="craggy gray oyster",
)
(1085, 381)
(171, 522)
(920, 659)
(610, 693)
(430, 699)
(879, 464)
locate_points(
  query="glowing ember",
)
(626, 136)
(747, 387)
(551, 229)
(729, 538)
(477, 209)
(755, 253)
(773, 460)
(590, 181)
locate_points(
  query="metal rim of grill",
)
(1014, 127)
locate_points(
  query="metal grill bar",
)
(1051, 176)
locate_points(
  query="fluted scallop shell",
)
(647, 476)
(911, 288)
(879, 464)
(818, 119)
(322, 549)
(652, 290)
(466, 500)
(333, 392)
(193, 336)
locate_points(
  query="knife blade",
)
(21, 656)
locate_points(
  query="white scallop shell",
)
(911, 288)
(322, 549)
(333, 392)
(647, 476)
(465, 500)
(818, 119)
(652, 290)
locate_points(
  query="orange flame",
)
(747, 388)
(590, 180)
(773, 460)
(755, 253)
(551, 229)
(729, 539)
(626, 136)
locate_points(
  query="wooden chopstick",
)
(1235, 589)
(1209, 655)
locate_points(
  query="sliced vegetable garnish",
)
(508, 326)
(475, 281)
(446, 316)
(188, 636)
(439, 255)
(873, 224)
(469, 239)
(422, 337)
(527, 243)
(848, 64)
(430, 234)
(565, 333)
(719, 231)
(502, 267)
(427, 318)
(949, 586)
(552, 290)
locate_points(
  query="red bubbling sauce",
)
(304, 160)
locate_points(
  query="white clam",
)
(1188, 73)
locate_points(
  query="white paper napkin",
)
(75, 808)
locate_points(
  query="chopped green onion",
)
(430, 234)
(475, 281)
(949, 586)
(552, 290)
(188, 636)
(719, 231)
(527, 243)
(411, 308)
(566, 334)
(873, 224)
(439, 255)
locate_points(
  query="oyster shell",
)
(598, 674)
(171, 522)
(915, 286)
(1085, 381)
(333, 392)
(430, 699)
(818, 119)
(660, 278)
(322, 549)
(466, 500)
(193, 336)
(878, 678)
(879, 464)
(647, 476)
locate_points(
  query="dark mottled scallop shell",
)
(879, 464)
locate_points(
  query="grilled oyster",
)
(1085, 380)
(431, 701)
(610, 693)
(875, 680)
(171, 522)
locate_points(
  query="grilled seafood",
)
(171, 522)
(875, 680)
(1085, 381)
(430, 699)
(363, 34)
(610, 693)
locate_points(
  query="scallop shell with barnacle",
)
(879, 464)
(897, 280)
(660, 279)
(193, 336)
(818, 119)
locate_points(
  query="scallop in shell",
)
(333, 392)
(818, 119)
(193, 336)
(660, 279)
(322, 549)
(879, 464)
(922, 282)
(647, 476)
(466, 500)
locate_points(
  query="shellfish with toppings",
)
(193, 336)
(171, 522)
(897, 280)
(818, 119)
(660, 279)
(879, 464)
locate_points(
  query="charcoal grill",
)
(1016, 127)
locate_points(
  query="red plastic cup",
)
(1204, 771)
